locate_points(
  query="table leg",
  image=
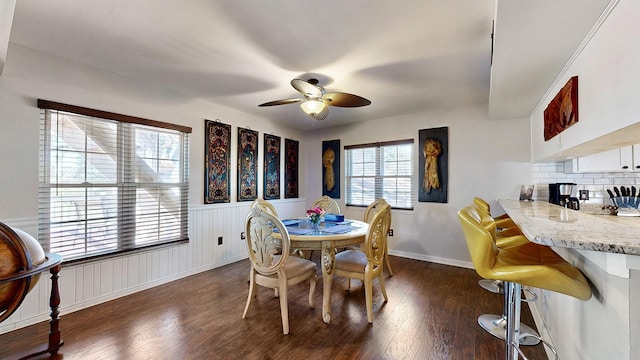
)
(328, 257)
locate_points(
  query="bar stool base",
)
(494, 286)
(496, 325)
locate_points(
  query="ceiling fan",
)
(316, 99)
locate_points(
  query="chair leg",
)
(386, 260)
(368, 295)
(384, 291)
(312, 288)
(252, 281)
(284, 309)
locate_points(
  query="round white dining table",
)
(328, 241)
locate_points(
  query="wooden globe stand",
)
(52, 264)
(19, 275)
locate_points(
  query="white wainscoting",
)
(85, 285)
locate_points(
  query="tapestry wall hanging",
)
(247, 164)
(433, 167)
(271, 167)
(562, 111)
(217, 142)
(331, 168)
(291, 169)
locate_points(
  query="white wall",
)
(487, 158)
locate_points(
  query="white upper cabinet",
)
(636, 157)
(616, 160)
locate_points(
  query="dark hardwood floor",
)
(431, 314)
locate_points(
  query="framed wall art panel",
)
(247, 164)
(331, 168)
(271, 167)
(217, 160)
(291, 168)
(562, 111)
(433, 165)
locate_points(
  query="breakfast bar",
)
(553, 225)
(606, 248)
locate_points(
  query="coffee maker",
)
(560, 194)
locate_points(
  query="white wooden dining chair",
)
(367, 264)
(372, 209)
(271, 270)
(327, 204)
(265, 205)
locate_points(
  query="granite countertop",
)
(553, 225)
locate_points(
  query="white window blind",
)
(110, 183)
(380, 170)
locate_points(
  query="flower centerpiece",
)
(315, 216)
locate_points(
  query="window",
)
(110, 183)
(380, 170)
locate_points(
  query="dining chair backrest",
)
(327, 204)
(373, 208)
(265, 205)
(267, 253)
(375, 243)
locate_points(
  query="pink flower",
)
(315, 211)
(315, 214)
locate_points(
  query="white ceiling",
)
(407, 57)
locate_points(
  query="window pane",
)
(390, 168)
(357, 156)
(101, 169)
(404, 152)
(369, 169)
(369, 155)
(169, 146)
(169, 171)
(404, 168)
(158, 215)
(67, 167)
(83, 220)
(375, 172)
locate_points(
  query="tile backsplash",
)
(596, 183)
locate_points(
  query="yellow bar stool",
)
(496, 324)
(505, 233)
(531, 266)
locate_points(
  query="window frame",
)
(379, 176)
(122, 238)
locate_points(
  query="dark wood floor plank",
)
(431, 314)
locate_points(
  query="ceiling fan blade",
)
(307, 89)
(281, 102)
(344, 100)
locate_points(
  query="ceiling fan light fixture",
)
(315, 108)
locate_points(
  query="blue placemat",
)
(332, 223)
(339, 229)
(289, 222)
